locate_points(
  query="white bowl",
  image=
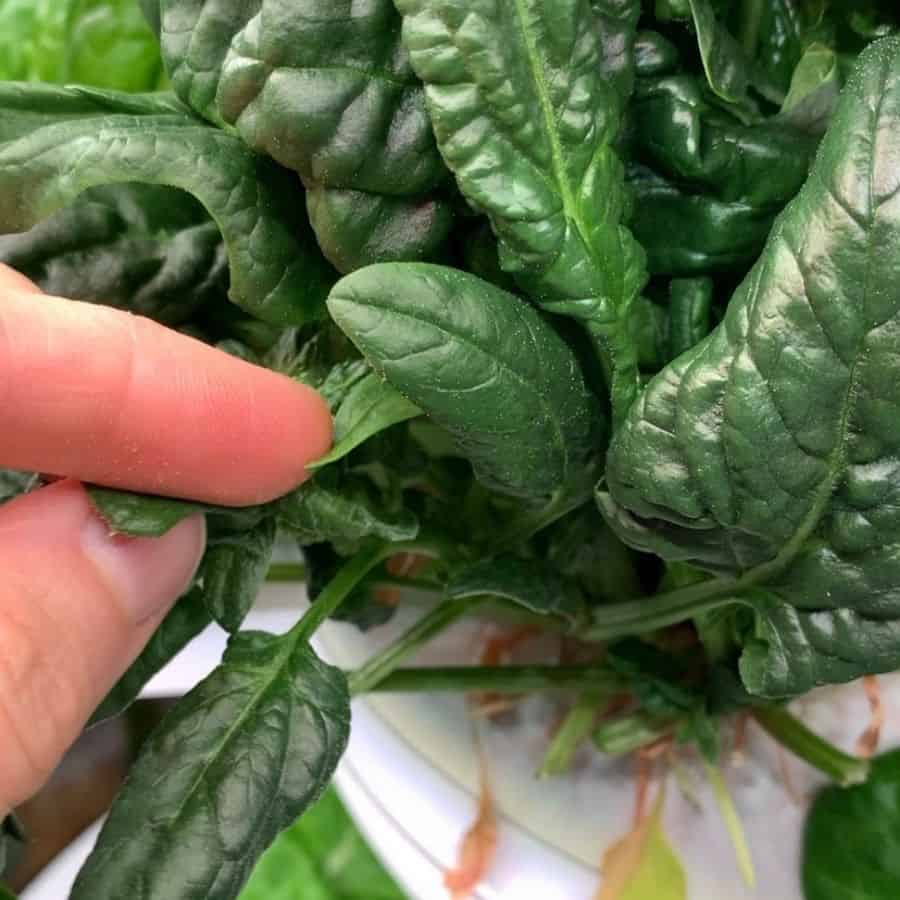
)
(410, 779)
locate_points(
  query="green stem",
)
(286, 572)
(496, 679)
(573, 732)
(789, 731)
(339, 588)
(529, 524)
(380, 666)
(652, 613)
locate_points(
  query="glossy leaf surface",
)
(526, 120)
(57, 142)
(237, 760)
(325, 89)
(481, 363)
(766, 454)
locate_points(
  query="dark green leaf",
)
(321, 857)
(851, 846)
(233, 571)
(325, 89)
(237, 760)
(370, 406)
(148, 249)
(358, 228)
(14, 483)
(767, 453)
(144, 515)
(549, 178)
(57, 142)
(617, 26)
(12, 843)
(482, 364)
(690, 302)
(656, 678)
(345, 512)
(187, 618)
(531, 584)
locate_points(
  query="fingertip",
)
(11, 280)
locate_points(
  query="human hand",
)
(94, 394)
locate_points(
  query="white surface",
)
(410, 779)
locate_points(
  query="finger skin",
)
(76, 606)
(104, 396)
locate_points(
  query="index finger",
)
(104, 396)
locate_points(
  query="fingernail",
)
(147, 574)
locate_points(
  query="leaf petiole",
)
(790, 732)
(495, 679)
(653, 613)
(380, 666)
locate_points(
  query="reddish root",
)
(867, 745)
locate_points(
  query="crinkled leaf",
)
(321, 857)
(187, 618)
(617, 28)
(371, 405)
(57, 142)
(357, 228)
(851, 846)
(148, 249)
(345, 512)
(324, 88)
(767, 453)
(235, 761)
(233, 571)
(531, 584)
(526, 118)
(481, 363)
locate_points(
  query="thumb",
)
(77, 604)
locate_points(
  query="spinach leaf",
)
(103, 43)
(344, 511)
(617, 28)
(143, 515)
(530, 584)
(323, 87)
(149, 249)
(237, 760)
(187, 618)
(689, 313)
(369, 407)
(322, 857)
(766, 454)
(850, 846)
(814, 90)
(233, 571)
(528, 79)
(479, 362)
(57, 142)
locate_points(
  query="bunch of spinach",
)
(602, 296)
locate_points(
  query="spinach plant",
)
(602, 296)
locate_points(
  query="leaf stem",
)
(338, 589)
(497, 679)
(652, 613)
(380, 666)
(789, 731)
